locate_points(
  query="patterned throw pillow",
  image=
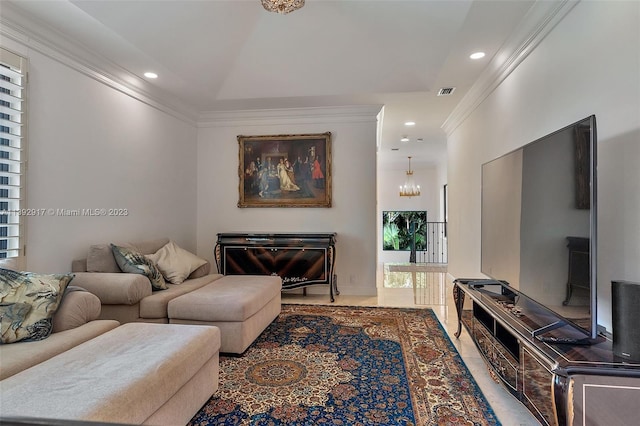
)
(28, 302)
(136, 263)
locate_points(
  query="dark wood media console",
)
(561, 384)
(301, 260)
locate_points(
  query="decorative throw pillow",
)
(136, 263)
(176, 263)
(12, 316)
(28, 302)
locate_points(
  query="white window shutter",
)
(12, 154)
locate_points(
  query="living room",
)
(95, 142)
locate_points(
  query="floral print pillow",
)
(28, 302)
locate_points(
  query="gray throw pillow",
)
(136, 263)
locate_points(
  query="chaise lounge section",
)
(241, 306)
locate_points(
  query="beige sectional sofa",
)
(240, 306)
(145, 371)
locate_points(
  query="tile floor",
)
(405, 285)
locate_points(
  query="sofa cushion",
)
(134, 262)
(22, 355)
(175, 263)
(115, 289)
(100, 259)
(41, 292)
(231, 298)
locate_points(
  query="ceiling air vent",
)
(446, 91)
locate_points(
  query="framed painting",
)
(285, 170)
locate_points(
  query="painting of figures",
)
(285, 170)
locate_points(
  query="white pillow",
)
(175, 263)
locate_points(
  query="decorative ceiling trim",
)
(311, 115)
(539, 21)
(38, 36)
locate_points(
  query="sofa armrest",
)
(114, 288)
(201, 271)
(77, 308)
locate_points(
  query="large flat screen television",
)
(539, 222)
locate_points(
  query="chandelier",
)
(409, 189)
(282, 6)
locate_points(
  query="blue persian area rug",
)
(337, 365)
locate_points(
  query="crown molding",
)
(40, 37)
(543, 16)
(314, 115)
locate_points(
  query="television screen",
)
(401, 228)
(538, 221)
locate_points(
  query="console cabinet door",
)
(537, 388)
(297, 266)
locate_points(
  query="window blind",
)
(12, 154)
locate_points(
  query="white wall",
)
(353, 211)
(92, 147)
(588, 64)
(389, 180)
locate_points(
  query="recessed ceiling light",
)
(410, 123)
(404, 139)
(477, 55)
(151, 75)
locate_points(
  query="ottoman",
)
(241, 306)
(159, 374)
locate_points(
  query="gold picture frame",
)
(285, 170)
